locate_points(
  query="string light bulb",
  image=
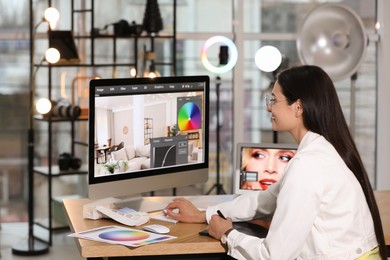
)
(52, 15)
(133, 72)
(52, 55)
(43, 106)
(152, 74)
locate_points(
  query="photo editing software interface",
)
(148, 127)
(260, 165)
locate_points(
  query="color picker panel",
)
(189, 117)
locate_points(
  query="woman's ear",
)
(298, 108)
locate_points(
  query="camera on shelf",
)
(121, 28)
(64, 109)
(66, 161)
(68, 111)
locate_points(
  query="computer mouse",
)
(155, 228)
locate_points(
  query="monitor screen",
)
(259, 165)
(147, 134)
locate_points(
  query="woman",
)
(267, 163)
(324, 207)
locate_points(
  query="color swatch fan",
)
(122, 236)
(189, 117)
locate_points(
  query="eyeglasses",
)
(271, 100)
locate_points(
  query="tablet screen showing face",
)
(260, 165)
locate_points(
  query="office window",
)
(14, 81)
(204, 16)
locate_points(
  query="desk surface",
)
(188, 241)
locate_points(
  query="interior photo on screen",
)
(145, 131)
(262, 165)
(147, 134)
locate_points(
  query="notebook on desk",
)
(248, 228)
(251, 229)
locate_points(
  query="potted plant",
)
(122, 165)
(111, 166)
(174, 130)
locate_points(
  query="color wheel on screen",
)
(189, 117)
(122, 236)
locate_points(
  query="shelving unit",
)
(137, 39)
(50, 169)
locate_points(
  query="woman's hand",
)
(184, 211)
(218, 226)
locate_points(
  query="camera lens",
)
(67, 111)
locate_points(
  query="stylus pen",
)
(220, 214)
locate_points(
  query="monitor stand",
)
(144, 204)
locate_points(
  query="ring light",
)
(268, 58)
(233, 55)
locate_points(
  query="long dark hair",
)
(323, 115)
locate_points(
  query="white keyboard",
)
(125, 216)
(163, 217)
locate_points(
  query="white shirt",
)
(318, 210)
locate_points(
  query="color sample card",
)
(122, 236)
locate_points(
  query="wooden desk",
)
(383, 201)
(188, 241)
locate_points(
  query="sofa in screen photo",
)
(132, 158)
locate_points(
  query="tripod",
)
(217, 185)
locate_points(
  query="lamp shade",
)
(152, 22)
(64, 42)
(332, 36)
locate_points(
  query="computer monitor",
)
(259, 165)
(147, 134)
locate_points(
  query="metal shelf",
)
(52, 169)
(55, 171)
